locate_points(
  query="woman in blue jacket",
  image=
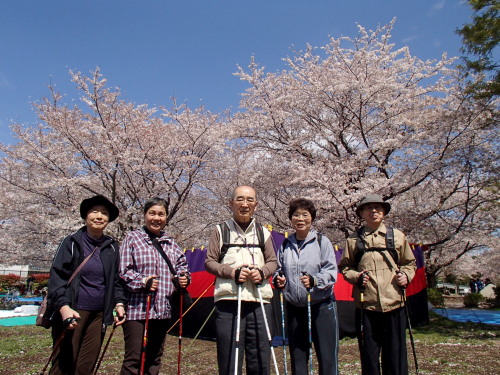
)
(85, 307)
(307, 264)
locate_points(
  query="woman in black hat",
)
(84, 306)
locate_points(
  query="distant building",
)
(22, 270)
(449, 288)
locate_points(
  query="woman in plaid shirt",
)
(145, 271)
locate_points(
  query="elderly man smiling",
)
(379, 262)
(241, 256)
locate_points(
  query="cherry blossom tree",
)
(126, 152)
(357, 116)
(342, 120)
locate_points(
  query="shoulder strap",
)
(319, 236)
(390, 246)
(226, 238)
(226, 235)
(360, 250)
(389, 239)
(79, 268)
(260, 236)
(158, 247)
(285, 242)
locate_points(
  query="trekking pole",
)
(237, 338)
(409, 328)
(66, 323)
(179, 354)
(190, 307)
(201, 328)
(104, 350)
(56, 347)
(362, 288)
(283, 330)
(267, 330)
(309, 325)
(145, 335)
(361, 325)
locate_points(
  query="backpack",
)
(226, 238)
(390, 246)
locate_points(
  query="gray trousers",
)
(325, 336)
(254, 343)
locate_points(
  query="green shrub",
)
(435, 297)
(473, 299)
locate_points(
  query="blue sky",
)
(155, 49)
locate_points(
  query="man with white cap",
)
(379, 262)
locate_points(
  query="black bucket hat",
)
(97, 200)
(373, 198)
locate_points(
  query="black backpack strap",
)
(360, 250)
(285, 242)
(226, 235)
(319, 236)
(389, 238)
(391, 244)
(260, 236)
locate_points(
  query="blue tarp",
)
(474, 316)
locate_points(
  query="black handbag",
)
(45, 314)
(175, 298)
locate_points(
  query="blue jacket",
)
(317, 262)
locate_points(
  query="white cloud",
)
(4, 82)
(438, 6)
(409, 39)
(435, 8)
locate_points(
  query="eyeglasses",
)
(305, 215)
(241, 200)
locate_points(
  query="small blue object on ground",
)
(474, 316)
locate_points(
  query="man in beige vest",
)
(241, 256)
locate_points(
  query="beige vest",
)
(226, 289)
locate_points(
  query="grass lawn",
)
(443, 347)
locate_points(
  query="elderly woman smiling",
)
(147, 274)
(307, 264)
(85, 305)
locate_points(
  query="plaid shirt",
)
(140, 259)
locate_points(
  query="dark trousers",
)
(133, 333)
(253, 338)
(324, 326)
(383, 333)
(79, 350)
